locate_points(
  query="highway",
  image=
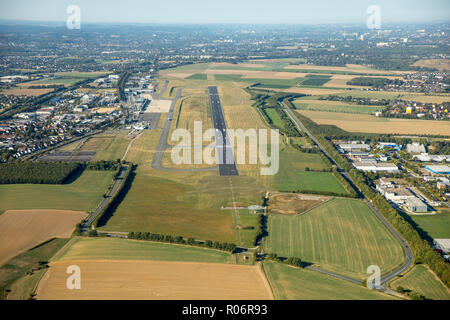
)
(227, 165)
(406, 248)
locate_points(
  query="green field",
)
(13, 273)
(81, 248)
(421, 280)
(289, 283)
(84, 194)
(275, 117)
(293, 177)
(437, 226)
(336, 108)
(198, 76)
(341, 235)
(315, 80)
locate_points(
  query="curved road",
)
(406, 248)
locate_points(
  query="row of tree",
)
(224, 246)
(293, 261)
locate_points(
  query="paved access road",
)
(227, 164)
(406, 248)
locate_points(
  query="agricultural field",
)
(289, 283)
(436, 226)
(419, 97)
(423, 281)
(334, 106)
(81, 248)
(341, 235)
(155, 280)
(440, 64)
(293, 174)
(372, 124)
(26, 92)
(16, 274)
(21, 230)
(83, 194)
(63, 78)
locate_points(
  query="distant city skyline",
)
(230, 11)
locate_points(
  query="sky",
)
(227, 11)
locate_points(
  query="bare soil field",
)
(27, 92)
(369, 123)
(292, 204)
(155, 280)
(21, 230)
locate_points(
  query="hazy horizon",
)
(230, 12)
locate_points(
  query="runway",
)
(227, 164)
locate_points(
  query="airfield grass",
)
(13, 272)
(423, 281)
(115, 149)
(82, 248)
(289, 283)
(178, 203)
(341, 235)
(84, 194)
(437, 226)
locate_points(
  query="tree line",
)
(36, 172)
(224, 246)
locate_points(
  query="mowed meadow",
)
(341, 235)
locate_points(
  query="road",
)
(227, 165)
(106, 200)
(406, 248)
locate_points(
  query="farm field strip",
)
(21, 230)
(340, 235)
(155, 280)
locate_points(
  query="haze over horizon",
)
(231, 11)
